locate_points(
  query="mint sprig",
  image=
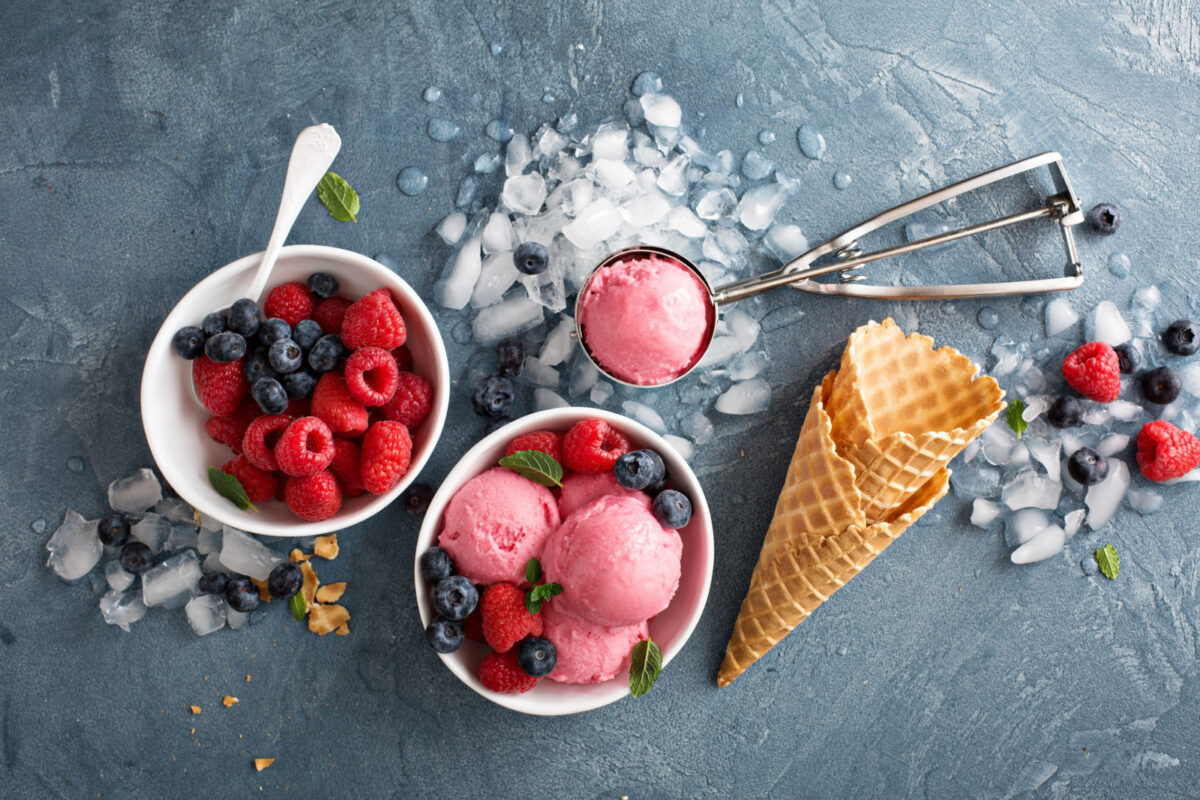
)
(231, 489)
(645, 665)
(533, 570)
(298, 606)
(338, 197)
(1109, 561)
(536, 466)
(540, 594)
(1015, 416)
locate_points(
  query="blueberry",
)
(299, 384)
(672, 509)
(284, 580)
(536, 656)
(1105, 218)
(445, 635)
(492, 396)
(269, 395)
(531, 258)
(436, 565)
(415, 499)
(1065, 413)
(455, 597)
(213, 323)
(322, 284)
(510, 357)
(1128, 358)
(135, 558)
(1182, 337)
(285, 356)
(188, 342)
(114, 530)
(214, 583)
(244, 317)
(655, 488)
(241, 594)
(1087, 466)
(224, 347)
(272, 330)
(1160, 385)
(306, 333)
(257, 366)
(639, 469)
(327, 353)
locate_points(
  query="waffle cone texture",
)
(871, 458)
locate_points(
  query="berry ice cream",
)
(588, 653)
(579, 490)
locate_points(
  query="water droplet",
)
(461, 332)
(988, 318)
(466, 191)
(842, 181)
(740, 100)
(487, 163)
(431, 94)
(756, 166)
(1032, 307)
(1089, 566)
(75, 464)
(841, 651)
(496, 48)
(498, 130)
(646, 83)
(548, 98)
(766, 136)
(441, 130)
(811, 142)
(38, 526)
(412, 181)
(1118, 264)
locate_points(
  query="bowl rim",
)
(160, 348)
(554, 419)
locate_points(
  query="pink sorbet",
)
(495, 523)
(588, 653)
(581, 488)
(616, 564)
(646, 320)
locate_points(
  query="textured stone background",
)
(143, 145)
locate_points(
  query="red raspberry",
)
(1165, 452)
(220, 387)
(501, 672)
(547, 442)
(1094, 372)
(374, 321)
(305, 448)
(260, 439)
(371, 376)
(473, 628)
(593, 446)
(291, 302)
(347, 466)
(314, 497)
(331, 401)
(411, 403)
(259, 484)
(386, 451)
(330, 312)
(404, 359)
(230, 430)
(506, 621)
(299, 407)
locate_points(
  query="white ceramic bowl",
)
(174, 419)
(670, 629)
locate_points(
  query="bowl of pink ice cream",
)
(624, 577)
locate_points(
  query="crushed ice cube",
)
(175, 580)
(1073, 521)
(1035, 406)
(1146, 300)
(612, 175)
(237, 620)
(558, 343)
(785, 242)
(1125, 410)
(980, 481)
(451, 228)
(118, 579)
(717, 204)
(594, 224)
(661, 110)
(181, 536)
(1046, 453)
(1004, 350)
(524, 194)
(544, 399)
(517, 155)
(698, 427)
(984, 512)
(1059, 316)
(1028, 489)
(584, 376)
(507, 318)
(539, 374)
(645, 415)
(1144, 501)
(1103, 498)
(152, 531)
(498, 233)
(681, 445)
(243, 554)
(122, 609)
(135, 493)
(685, 221)
(998, 444)
(747, 365)
(206, 613)
(1097, 415)
(74, 547)
(747, 397)
(1023, 525)
(208, 541)
(1106, 324)
(1046, 544)
(457, 283)
(1112, 444)
(672, 178)
(175, 510)
(759, 206)
(496, 276)
(571, 197)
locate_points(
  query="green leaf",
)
(540, 594)
(1015, 419)
(533, 570)
(551, 589)
(298, 606)
(230, 488)
(535, 465)
(645, 665)
(338, 197)
(533, 603)
(1109, 561)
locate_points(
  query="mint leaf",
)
(540, 594)
(645, 665)
(1015, 419)
(532, 604)
(230, 488)
(1109, 561)
(550, 590)
(533, 570)
(298, 607)
(535, 465)
(338, 197)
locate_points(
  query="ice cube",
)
(583, 376)
(998, 444)
(175, 510)
(698, 427)
(984, 512)
(451, 228)
(1144, 501)
(206, 613)
(594, 224)
(1146, 300)
(756, 166)
(467, 188)
(970, 451)
(610, 141)
(743, 327)
(1028, 489)
(725, 245)
(685, 221)
(747, 397)
(1004, 350)
(212, 563)
(1059, 316)
(759, 206)
(1097, 415)
(681, 445)
(175, 580)
(152, 531)
(720, 350)
(507, 318)
(122, 609)
(747, 365)
(524, 194)
(118, 579)
(616, 176)
(539, 374)
(661, 110)
(517, 155)
(458, 280)
(558, 344)
(1046, 453)
(1046, 544)
(136, 493)
(544, 399)
(498, 233)
(1105, 324)
(645, 415)
(181, 536)
(1073, 520)
(1035, 406)
(1125, 410)
(672, 179)
(785, 242)
(1103, 498)
(1112, 444)
(1023, 525)
(208, 541)
(645, 210)
(601, 392)
(241, 553)
(717, 204)
(237, 620)
(496, 276)
(486, 164)
(547, 289)
(74, 548)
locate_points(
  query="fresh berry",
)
(225, 347)
(299, 385)
(473, 625)
(371, 376)
(1087, 466)
(306, 333)
(244, 317)
(501, 673)
(322, 285)
(373, 321)
(492, 396)
(327, 353)
(455, 597)
(1182, 337)
(506, 620)
(404, 359)
(547, 442)
(260, 484)
(347, 466)
(298, 407)
(314, 498)
(436, 565)
(1066, 412)
(257, 365)
(510, 358)
(135, 558)
(672, 509)
(188, 342)
(231, 429)
(241, 594)
(1165, 452)
(444, 635)
(213, 323)
(305, 448)
(331, 401)
(290, 302)
(272, 330)
(270, 395)
(1160, 385)
(330, 313)
(114, 530)
(1105, 218)
(214, 583)
(260, 438)
(415, 498)
(285, 580)
(639, 469)
(411, 402)
(1094, 372)
(285, 356)
(654, 489)
(1129, 359)
(531, 258)
(593, 446)
(386, 453)
(536, 656)
(220, 387)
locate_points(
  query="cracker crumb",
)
(343, 629)
(331, 592)
(263, 593)
(193, 730)
(229, 701)
(326, 619)
(262, 763)
(247, 679)
(308, 589)
(326, 547)
(195, 709)
(297, 555)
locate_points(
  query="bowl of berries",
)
(303, 414)
(564, 561)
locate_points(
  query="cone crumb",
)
(343, 629)
(331, 592)
(297, 555)
(247, 679)
(195, 709)
(326, 547)
(262, 763)
(326, 619)
(229, 701)
(263, 593)
(308, 589)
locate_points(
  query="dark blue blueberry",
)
(241, 594)
(656, 487)
(672, 509)
(445, 635)
(257, 366)
(224, 347)
(492, 396)
(1129, 360)
(306, 333)
(1160, 385)
(244, 317)
(285, 356)
(270, 395)
(536, 656)
(1087, 466)
(284, 580)
(455, 597)
(531, 258)
(213, 323)
(415, 498)
(214, 583)
(299, 384)
(1065, 413)
(114, 530)
(436, 565)
(272, 330)
(510, 357)
(1105, 218)
(1182, 337)
(639, 469)
(323, 285)
(135, 558)
(188, 342)
(327, 353)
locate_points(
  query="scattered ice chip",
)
(517, 155)
(644, 414)
(685, 221)
(175, 510)
(457, 283)
(1106, 324)
(122, 609)
(175, 580)
(118, 579)
(544, 399)
(1146, 300)
(237, 620)
(558, 343)
(1189, 378)
(507, 318)
(1007, 356)
(615, 176)
(1112, 444)
(760, 205)
(649, 156)
(748, 397)
(1046, 544)
(785, 242)
(135, 493)
(681, 445)
(610, 142)
(747, 365)
(212, 563)
(998, 444)
(539, 374)
(1103, 498)
(441, 130)
(206, 613)
(661, 110)
(1125, 410)
(1144, 501)
(601, 392)
(980, 481)
(496, 276)
(594, 224)
(487, 163)
(1024, 525)
(1059, 316)
(1098, 415)
(1030, 490)
(1046, 453)
(152, 531)
(672, 178)
(583, 376)
(970, 451)
(74, 548)
(811, 142)
(498, 233)
(698, 427)
(717, 204)
(720, 350)
(241, 553)
(452, 226)
(646, 83)
(524, 194)
(756, 166)
(181, 536)
(208, 541)
(1073, 521)
(984, 512)
(1035, 406)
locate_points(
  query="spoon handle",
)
(314, 151)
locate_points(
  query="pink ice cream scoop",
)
(616, 564)
(587, 653)
(645, 319)
(581, 488)
(495, 523)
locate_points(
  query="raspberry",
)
(315, 497)
(259, 484)
(347, 467)
(373, 321)
(501, 673)
(258, 443)
(386, 451)
(329, 313)
(299, 407)
(305, 448)
(404, 359)
(331, 401)
(1094, 371)
(1165, 452)
(220, 387)
(547, 442)
(230, 430)
(411, 403)
(473, 628)
(290, 302)
(593, 446)
(371, 376)
(506, 621)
